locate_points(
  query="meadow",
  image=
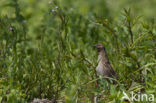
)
(46, 50)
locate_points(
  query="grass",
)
(48, 53)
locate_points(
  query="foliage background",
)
(46, 49)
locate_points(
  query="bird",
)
(104, 67)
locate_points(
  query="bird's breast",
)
(100, 69)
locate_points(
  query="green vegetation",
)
(46, 49)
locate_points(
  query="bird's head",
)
(99, 47)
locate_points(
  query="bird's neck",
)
(102, 56)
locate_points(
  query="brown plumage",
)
(104, 67)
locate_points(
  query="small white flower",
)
(50, 2)
(56, 7)
(24, 21)
(11, 29)
(52, 10)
